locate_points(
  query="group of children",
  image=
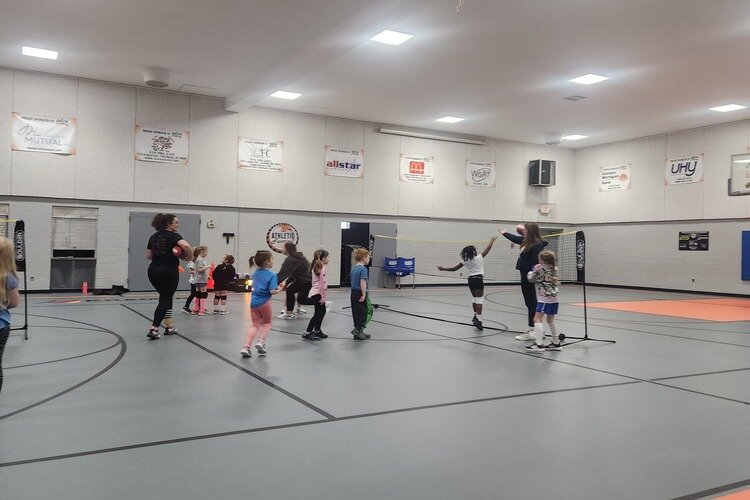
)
(540, 272)
(199, 273)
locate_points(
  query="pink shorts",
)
(262, 315)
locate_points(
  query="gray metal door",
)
(382, 248)
(140, 232)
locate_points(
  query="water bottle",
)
(85, 288)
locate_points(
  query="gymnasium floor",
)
(426, 409)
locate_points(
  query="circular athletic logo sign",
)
(280, 234)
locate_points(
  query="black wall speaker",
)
(541, 173)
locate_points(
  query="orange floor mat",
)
(723, 310)
(740, 495)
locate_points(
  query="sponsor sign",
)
(419, 169)
(693, 241)
(279, 234)
(257, 154)
(480, 174)
(344, 162)
(687, 170)
(161, 146)
(43, 134)
(614, 178)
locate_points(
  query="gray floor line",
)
(714, 491)
(719, 372)
(62, 359)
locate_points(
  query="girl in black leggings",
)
(163, 273)
(532, 243)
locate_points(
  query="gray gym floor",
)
(426, 409)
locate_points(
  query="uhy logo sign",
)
(685, 167)
(684, 170)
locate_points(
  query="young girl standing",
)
(201, 278)
(8, 294)
(544, 276)
(265, 284)
(474, 264)
(223, 274)
(191, 280)
(318, 293)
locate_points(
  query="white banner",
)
(43, 134)
(417, 169)
(614, 178)
(342, 162)
(256, 154)
(686, 170)
(480, 173)
(162, 146)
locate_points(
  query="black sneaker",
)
(554, 347)
(170, 331)
(320, 334)
(536, 348)
(153, 335)
(310, 336)
(187, 310)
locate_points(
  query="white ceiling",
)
(504, 65)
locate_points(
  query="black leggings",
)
(529, 297)
(193, 294)
(4, 333)
(359, 310)
(320, 312)
(301, 290)
(165, 279)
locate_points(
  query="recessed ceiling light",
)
(589, 79)
(34, 52)
(573, 137)
(728, 107)
(391, 37)
(285, 95)
(450, 119)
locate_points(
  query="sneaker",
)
(153, 335)
(286, 315)
(310, 336)
(216, 311)
(223, 311)
(320, 334)
(202, 313)
(261, 349)
(301, 311)
(186, 310)
(367, 336)
(477, 323)
(194, 312)
(529, 335)
(170, 331)
(359, 335)
(554, 347)
(246, 352)
(328, 305)
(536, 348)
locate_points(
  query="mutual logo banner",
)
(43, 134)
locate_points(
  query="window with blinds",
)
(5, 226)
(74, 232)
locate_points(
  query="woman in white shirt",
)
(474, 263)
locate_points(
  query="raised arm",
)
(489, 246)
(515, 238)
(454, 268)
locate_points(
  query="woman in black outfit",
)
(163, 273)
(296, 271)
(532, 243)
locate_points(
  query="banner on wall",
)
(693, 240)
(418, 169)
(43, 134)
(687, 170)
(480, 174)
(614, 178)
(257, 154)
(344, 162)
(161, 146)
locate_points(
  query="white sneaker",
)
(286, 315)
(261, 349)
(529, 335)
(246, 352)
(301, 311)
(328, 305)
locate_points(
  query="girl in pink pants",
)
(265, 284)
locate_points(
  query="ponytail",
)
(317, 263)
(260, 258)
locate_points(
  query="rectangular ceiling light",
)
(391, 37)
(285, 95)
(589, 79)
(728, 107)
(43, 53)
(450, 119)
(573, 137)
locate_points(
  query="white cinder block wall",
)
(103, 174)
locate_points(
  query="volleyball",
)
(179, 252)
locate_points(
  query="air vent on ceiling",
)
(195, 89)
(574, 97)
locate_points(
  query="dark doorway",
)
(353, 236)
